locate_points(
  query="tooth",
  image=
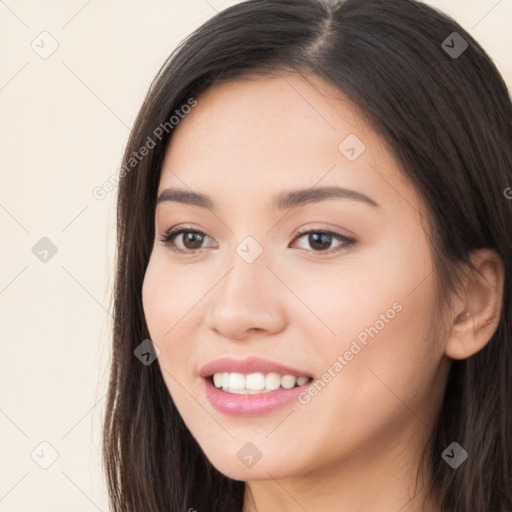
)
(255, 381)
(237, 381)
(218, 380)
(288, 381)
(272, 381)
(225, 381)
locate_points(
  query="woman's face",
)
(348, 308)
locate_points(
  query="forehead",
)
(257, 136)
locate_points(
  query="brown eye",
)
(184, 239)
(321, 241)
(192, 240)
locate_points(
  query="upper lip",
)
(248, 365)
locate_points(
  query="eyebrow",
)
(284, 200)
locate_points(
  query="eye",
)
(192, 240)
(189, 243)
(321, 241)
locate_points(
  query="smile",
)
(251, 386)
(255, 383)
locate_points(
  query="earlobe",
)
(478, 313)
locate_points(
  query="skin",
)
(356, 445)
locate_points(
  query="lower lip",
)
(250, 405)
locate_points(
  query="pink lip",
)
(249, 365)
(249, 405)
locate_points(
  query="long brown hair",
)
(446, 115)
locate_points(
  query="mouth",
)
(256, 383)
(251, 386)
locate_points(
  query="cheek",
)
(388, 347)
(380, 311)
(162, 295)
(363, 292)
(155, 298)
(172, 304)
(168, 294)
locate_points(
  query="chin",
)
(265, 468)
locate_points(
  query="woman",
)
(314, 233)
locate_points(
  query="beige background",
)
(64, 122)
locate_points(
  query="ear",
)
(476, 315)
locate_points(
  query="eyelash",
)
(170, 235)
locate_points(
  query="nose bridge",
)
(248, 275)
(246, 296)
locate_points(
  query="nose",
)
(249, 299)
